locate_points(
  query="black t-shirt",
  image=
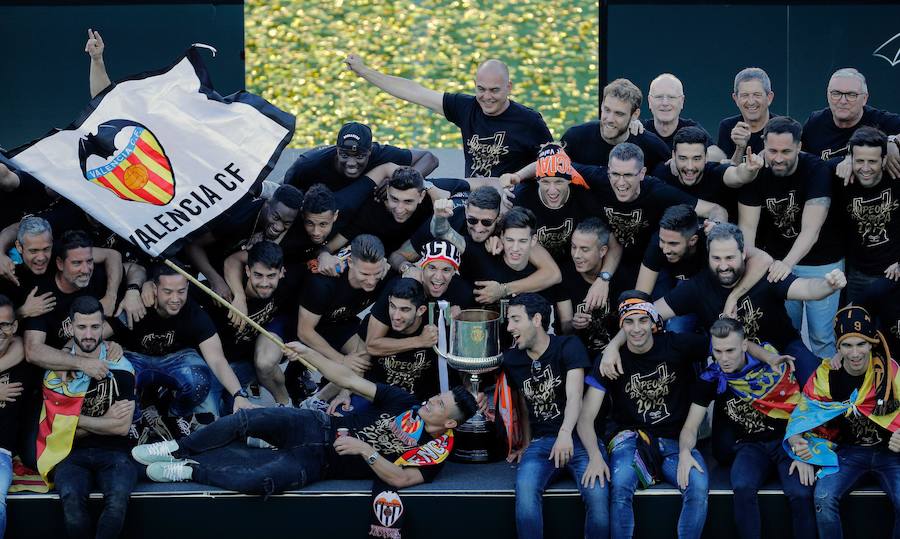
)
(334, 299)
(727, 145)
(100, 395)
(10, 412)
(782, 199)
(682, 122)
(494, 145)
(56, 324)
(155, 335)
(555, 226)
(585, 145)
(374, 218)
(318, 166)
(711, 186)
(239, 345)
(30, 197)
(654, 391)
(684, 269)
(376, 426)
(458, 292)
(856, 429)
(823, 138)
(761, 310)
(746, 422)
(544, 387)
(871, 223)
(458, 223)
(27, 281)
(239, 226)
(634, 222)
(415, 371)
(483, 266)
(882, 300)
(604, 323)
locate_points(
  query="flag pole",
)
(222, 301)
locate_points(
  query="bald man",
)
(498, 134)
(666, 101)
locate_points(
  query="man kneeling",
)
(396, 439)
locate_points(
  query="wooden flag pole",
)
(222, 301)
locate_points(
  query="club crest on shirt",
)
(626, 226)
(872, 217)
(784, 213)
(486, 152)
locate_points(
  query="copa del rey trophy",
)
(474, 349)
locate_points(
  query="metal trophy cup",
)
(474, 348)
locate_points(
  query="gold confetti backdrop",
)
(295, 50)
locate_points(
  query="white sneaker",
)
(159, 452)
(170, 472)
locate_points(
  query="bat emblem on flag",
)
(126, 158)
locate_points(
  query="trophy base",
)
(476, 441)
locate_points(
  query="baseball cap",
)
(355, 137)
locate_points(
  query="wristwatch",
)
(605, 276)
(133, 286)
(370, 460)
(241, 393)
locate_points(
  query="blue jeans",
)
(753, 464)
(854, 462)
(536, 471)
(218, 399)
(625, 482)
(184, 372)
(819, 314)
(805, 361)
(301, 437)
(6, 475)
(116, 476)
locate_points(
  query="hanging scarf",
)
(505, 404)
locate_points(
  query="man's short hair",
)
(534, 304)
(288, 195)
(626, 151)
(870, 137)
(690, 135)
(851, 73)
(723, 232)
(625, 90)
(71, 239)
(595, 226)
(367, 248)
(407, 178)
(6, 302)
(783, 124)
(319, 199)
(723, 327)
(411, 289)
(161, 270)
(753, 73)
(517, 217)
(680, 218)
(485, 198)
(33, 226)
(267, 253)
(85, 305)
(465, 403)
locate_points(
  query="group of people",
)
(647, 274)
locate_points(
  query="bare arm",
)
(335, 243)
(814, 213)
(38, 353)
(404, 255)
(711, 211)
(593, 399)
(396, 476)
(817, 288)
(424, 161)
(112, 261)
(306, 331)
(547, 273)
(744, 173)
(14, 354)
(99, 79)
(398, 87)
(714, 154)
(116, 422)
(333, 371)
(211, 350)
(687, 440)
(646, 279)
(748, 221)
(377, 344)
(564, 313)
(574, 394)
(234, 273)
(758, 263)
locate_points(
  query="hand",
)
(800, 446)
(894, 442)
(355, 63)
(35, 305)
(598, 294)
(516, 454)
(779, 271)
(730, 309)
(563, 449)
(686, 461)
(8, 269)
(893, 272)
(120, 410)
(148, 294)
(133, 307)
(340, 402)
(239, 303)
(481, 401)
(493, 245)
(114, 351)
(892, 165)
(328, 264)
(835, 361)
(836, 279)
(109, 304)
(8, 180)
(740, 134)
(9, 392)
(778, 359)
(597, 471)
(351, 445)
(294, 350)
(242, 403)
(507, 200)
(510, 179)
(488, 292)
(443, 208)
(635, 127)
(581, 320)
(94, 46)
(358, 361)
(611, 363)
(844, 170)
(806, 472)
(220, 287)
(753, 162)
(429, 336)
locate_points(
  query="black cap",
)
(355, 137)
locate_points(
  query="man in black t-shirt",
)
(752, 400)
(397, 439)
(22, 194)
(590, 143)
(14, 377)
(498, 134)
(548, 373)
(302, 245)
(650, 402)
(753, 96)
(785, 211)
(342, 166)
(103, 436)
(869, 209)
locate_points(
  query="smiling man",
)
(753, 95)
(666, 101)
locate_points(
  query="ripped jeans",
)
(300, 438)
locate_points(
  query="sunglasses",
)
(484, 222)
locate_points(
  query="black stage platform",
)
(469, 501)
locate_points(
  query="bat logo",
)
(889, 50)
(126, 158)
